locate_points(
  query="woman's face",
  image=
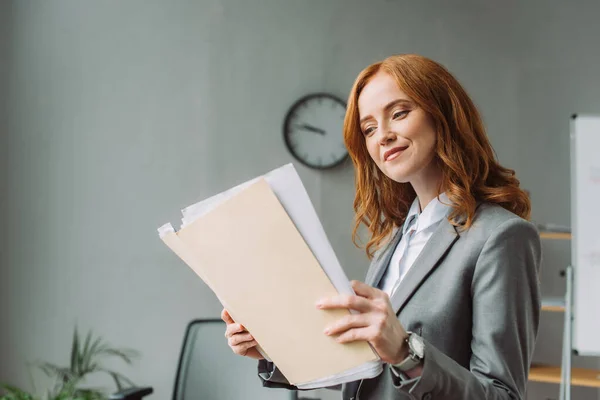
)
(400, 136)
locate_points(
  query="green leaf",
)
(74, 349)
(30, 375)
(89, 394)
(85, 352)
(14, 393)
(126, 355)
(62, 374)
(118, 378)
(90, 352)
(115, 377)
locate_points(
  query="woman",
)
(451, 299)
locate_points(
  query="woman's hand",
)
(376, 322)
(239, 339)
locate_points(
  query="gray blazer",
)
(474, 297)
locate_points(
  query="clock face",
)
(313, 131)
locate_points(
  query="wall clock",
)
(313, 131)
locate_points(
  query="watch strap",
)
(411, 361)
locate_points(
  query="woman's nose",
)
(386, 137)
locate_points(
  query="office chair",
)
(209, 370)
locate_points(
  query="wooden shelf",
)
(553, 308)
(551, 374)
(555, 235)
(553, 304)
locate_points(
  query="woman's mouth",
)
(393, 153)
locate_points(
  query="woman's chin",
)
(397, 174)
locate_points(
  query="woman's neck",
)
(428, 184)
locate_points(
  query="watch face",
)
(313, 131)
(417, 345)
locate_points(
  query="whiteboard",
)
(585, 220)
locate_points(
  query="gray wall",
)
(5, 29)
(124, 112)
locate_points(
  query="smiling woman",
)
(451, 300)
(412, 101)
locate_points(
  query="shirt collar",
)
(434, 212)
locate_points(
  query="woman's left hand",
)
(376, 322)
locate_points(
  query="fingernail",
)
(326, 331)
(319, 304)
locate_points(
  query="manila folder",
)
(250, 254)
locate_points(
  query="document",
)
(262, 250)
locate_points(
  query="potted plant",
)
(85, 360)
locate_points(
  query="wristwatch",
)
(416, 350)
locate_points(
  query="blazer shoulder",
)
(490, 218)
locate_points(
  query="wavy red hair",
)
(471, 172)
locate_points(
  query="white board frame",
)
(585, 222)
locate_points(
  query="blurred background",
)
(116, 114)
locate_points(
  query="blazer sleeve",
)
(506, 309)
(271, 377)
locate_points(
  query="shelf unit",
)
(555, 235)
(552, 374)
(564, 375)
(553, 304)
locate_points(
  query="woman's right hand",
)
(239, 339)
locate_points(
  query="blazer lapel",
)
(437, 246)
(381, 260)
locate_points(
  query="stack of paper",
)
(262, 250)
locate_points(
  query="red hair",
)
(470, 170)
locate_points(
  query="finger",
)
(355, 335)
(346, 323)
(364, 290)
(345, 301)
(226, 317)
(240, 338)
(243, 348)
(232, 329)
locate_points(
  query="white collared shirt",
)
(416, 231)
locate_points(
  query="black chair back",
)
(209, 370)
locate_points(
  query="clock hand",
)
(312, 129)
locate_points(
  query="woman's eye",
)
(368, 130)
(399, 114)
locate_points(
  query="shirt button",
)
(427, 396)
